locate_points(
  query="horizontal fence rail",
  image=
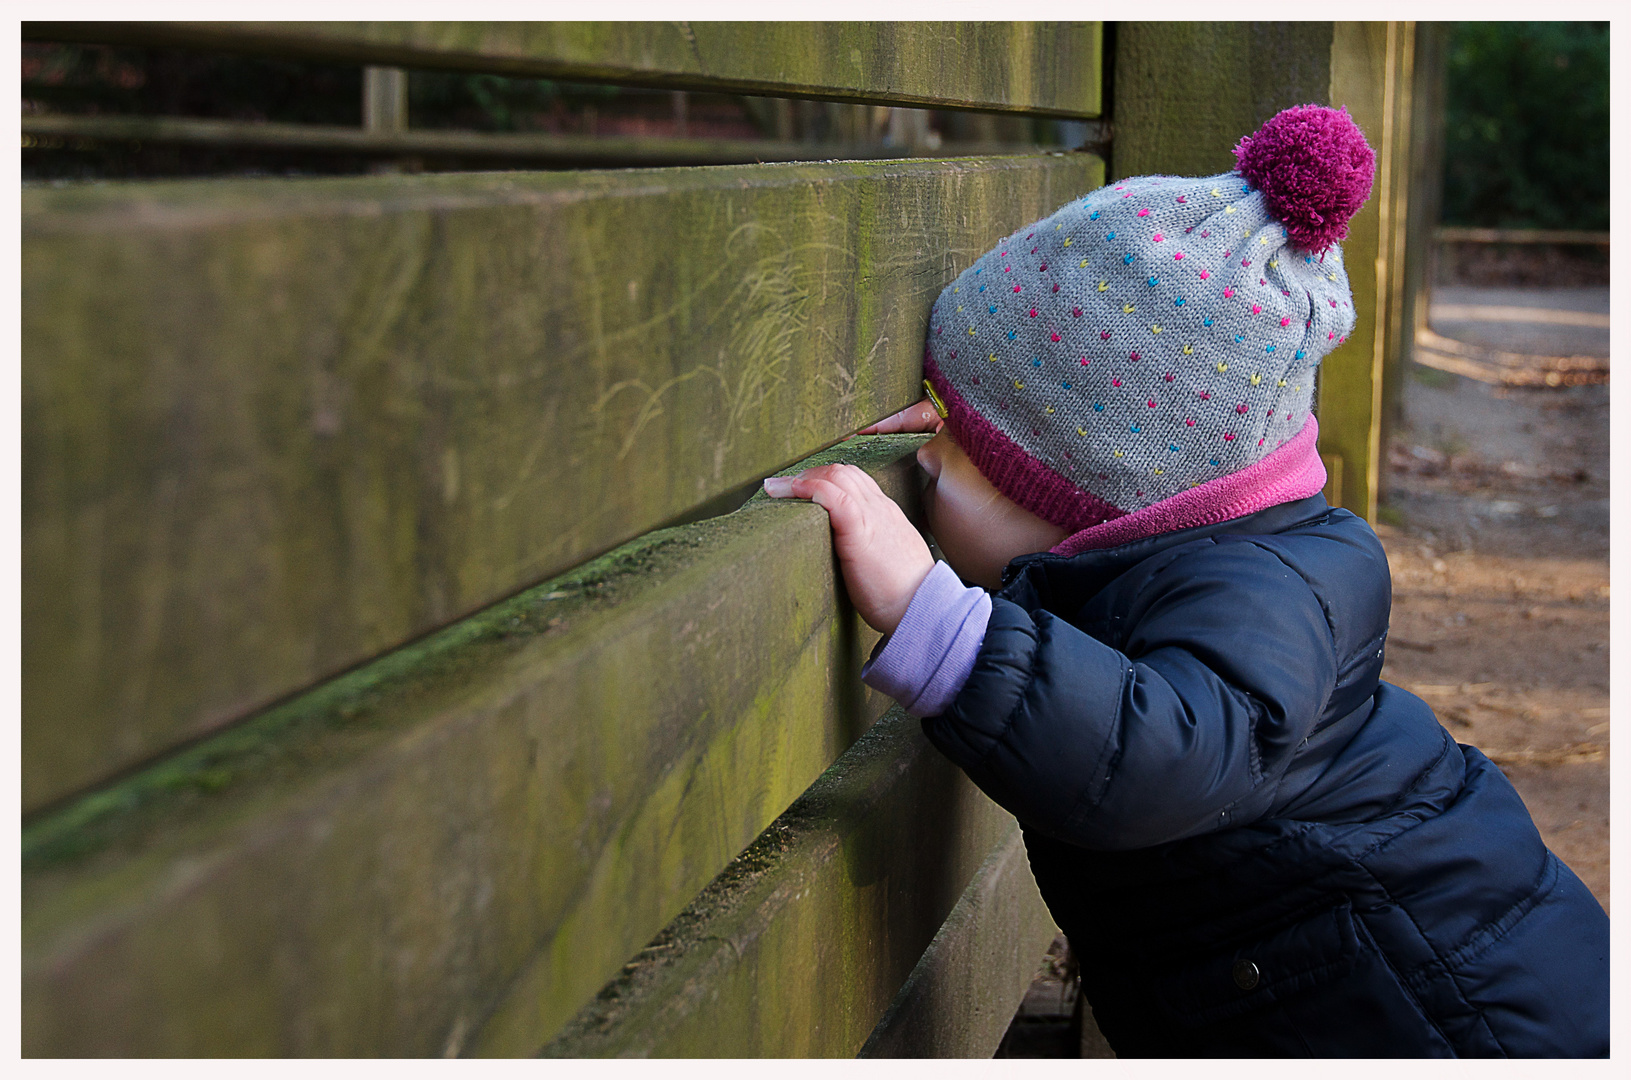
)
(453, 848)
(801, 946)
(530, 146)
(970, 981)
(274, 428)
(1450, 234)
(1047, 69)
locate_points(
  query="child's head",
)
(1156, 336)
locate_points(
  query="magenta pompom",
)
(1314, 168)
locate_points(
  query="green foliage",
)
(1526, 126)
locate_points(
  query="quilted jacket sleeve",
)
(1225, 662)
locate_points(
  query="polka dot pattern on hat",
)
(1177, 343)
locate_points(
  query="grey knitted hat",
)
(1158, 333)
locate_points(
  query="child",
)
(1167, 667)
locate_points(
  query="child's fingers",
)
(854, 481)
(839, 504)
(914, 418)
(883, 558)
(847, 476)
(842, 490)
(843, 509)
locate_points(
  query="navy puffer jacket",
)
(1255, 846)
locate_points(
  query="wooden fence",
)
(370, 708)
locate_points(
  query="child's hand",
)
(883, 558)
(914, 418)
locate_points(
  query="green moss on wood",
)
(522, 798)
(800, 945)
(272, 429)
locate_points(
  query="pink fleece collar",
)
(1293, 471)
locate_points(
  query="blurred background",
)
(1526, 147)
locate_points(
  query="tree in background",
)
(1526, 126)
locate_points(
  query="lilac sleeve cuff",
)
(928, 658)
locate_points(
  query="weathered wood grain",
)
(800, 946)
(1186, 92)
(969, 982)
(531, 147)
(273, 428)
(493, 818)
(1043, 68)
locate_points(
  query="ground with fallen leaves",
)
(1495, 521)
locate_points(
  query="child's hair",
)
(1142, 349)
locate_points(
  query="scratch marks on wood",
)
(691, 40)
(760, 319)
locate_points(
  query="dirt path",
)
(1497, 534)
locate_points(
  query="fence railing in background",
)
(1451, 234)
(1024, 70)
(1043, 69)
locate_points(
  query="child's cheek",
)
(931, 509)
(953, 516)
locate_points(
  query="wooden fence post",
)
(384, 100)
(1186, 92)
(1421, 190)
(1369, 78)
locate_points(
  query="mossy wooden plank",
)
(965, 989)
(504, 811)
(800, 946)
(1044, 68)
(272, 428)
(1186, 92)
(553, 147)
